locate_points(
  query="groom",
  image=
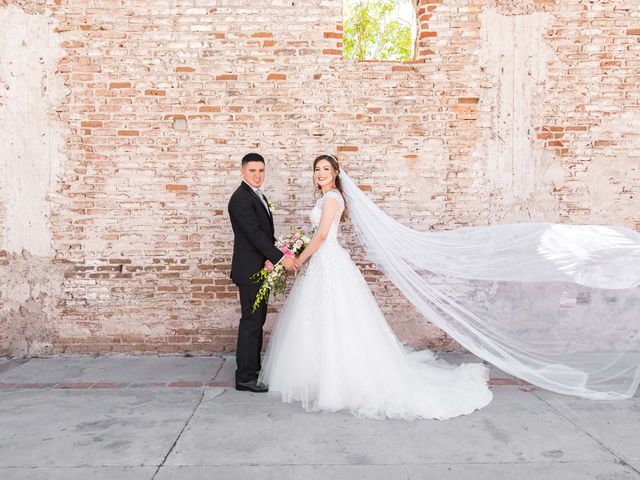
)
(253, 243)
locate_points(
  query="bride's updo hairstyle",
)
(333, 161)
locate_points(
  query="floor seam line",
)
(175, 442)
(590, 435)
(224, 360)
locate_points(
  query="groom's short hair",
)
(252, 157)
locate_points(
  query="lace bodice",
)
(316, 213)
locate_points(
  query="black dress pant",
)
(249, 335)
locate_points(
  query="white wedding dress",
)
(332, 349)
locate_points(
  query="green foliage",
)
(370, 33)
(269, 283)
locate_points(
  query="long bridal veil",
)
(555, 305)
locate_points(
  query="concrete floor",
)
(175, 418)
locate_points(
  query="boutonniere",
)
(272, 207)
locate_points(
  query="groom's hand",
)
(289, 263)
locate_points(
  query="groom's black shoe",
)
(251, 387)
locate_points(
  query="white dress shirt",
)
(260, 194)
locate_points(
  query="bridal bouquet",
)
(272, 277)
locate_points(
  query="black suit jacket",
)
(253, 235)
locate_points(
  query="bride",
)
(556, 305)
(332, 349)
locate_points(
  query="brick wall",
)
(511, 111)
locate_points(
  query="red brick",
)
(173, 187)
(186, 384)
(427, 34)
(91, 123)
(134, 186)
(503, 381)
(74, 385)
(101, 385)
(220, 384)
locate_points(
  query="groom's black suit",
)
(253, 243)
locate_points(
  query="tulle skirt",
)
(332, 349)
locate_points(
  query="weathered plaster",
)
(30, 290)
(514, 173)
(30, 142)
(515, 7)
(612, 172)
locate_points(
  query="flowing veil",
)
(555, 305)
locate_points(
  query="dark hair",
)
(333, 161)
(252, 157)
